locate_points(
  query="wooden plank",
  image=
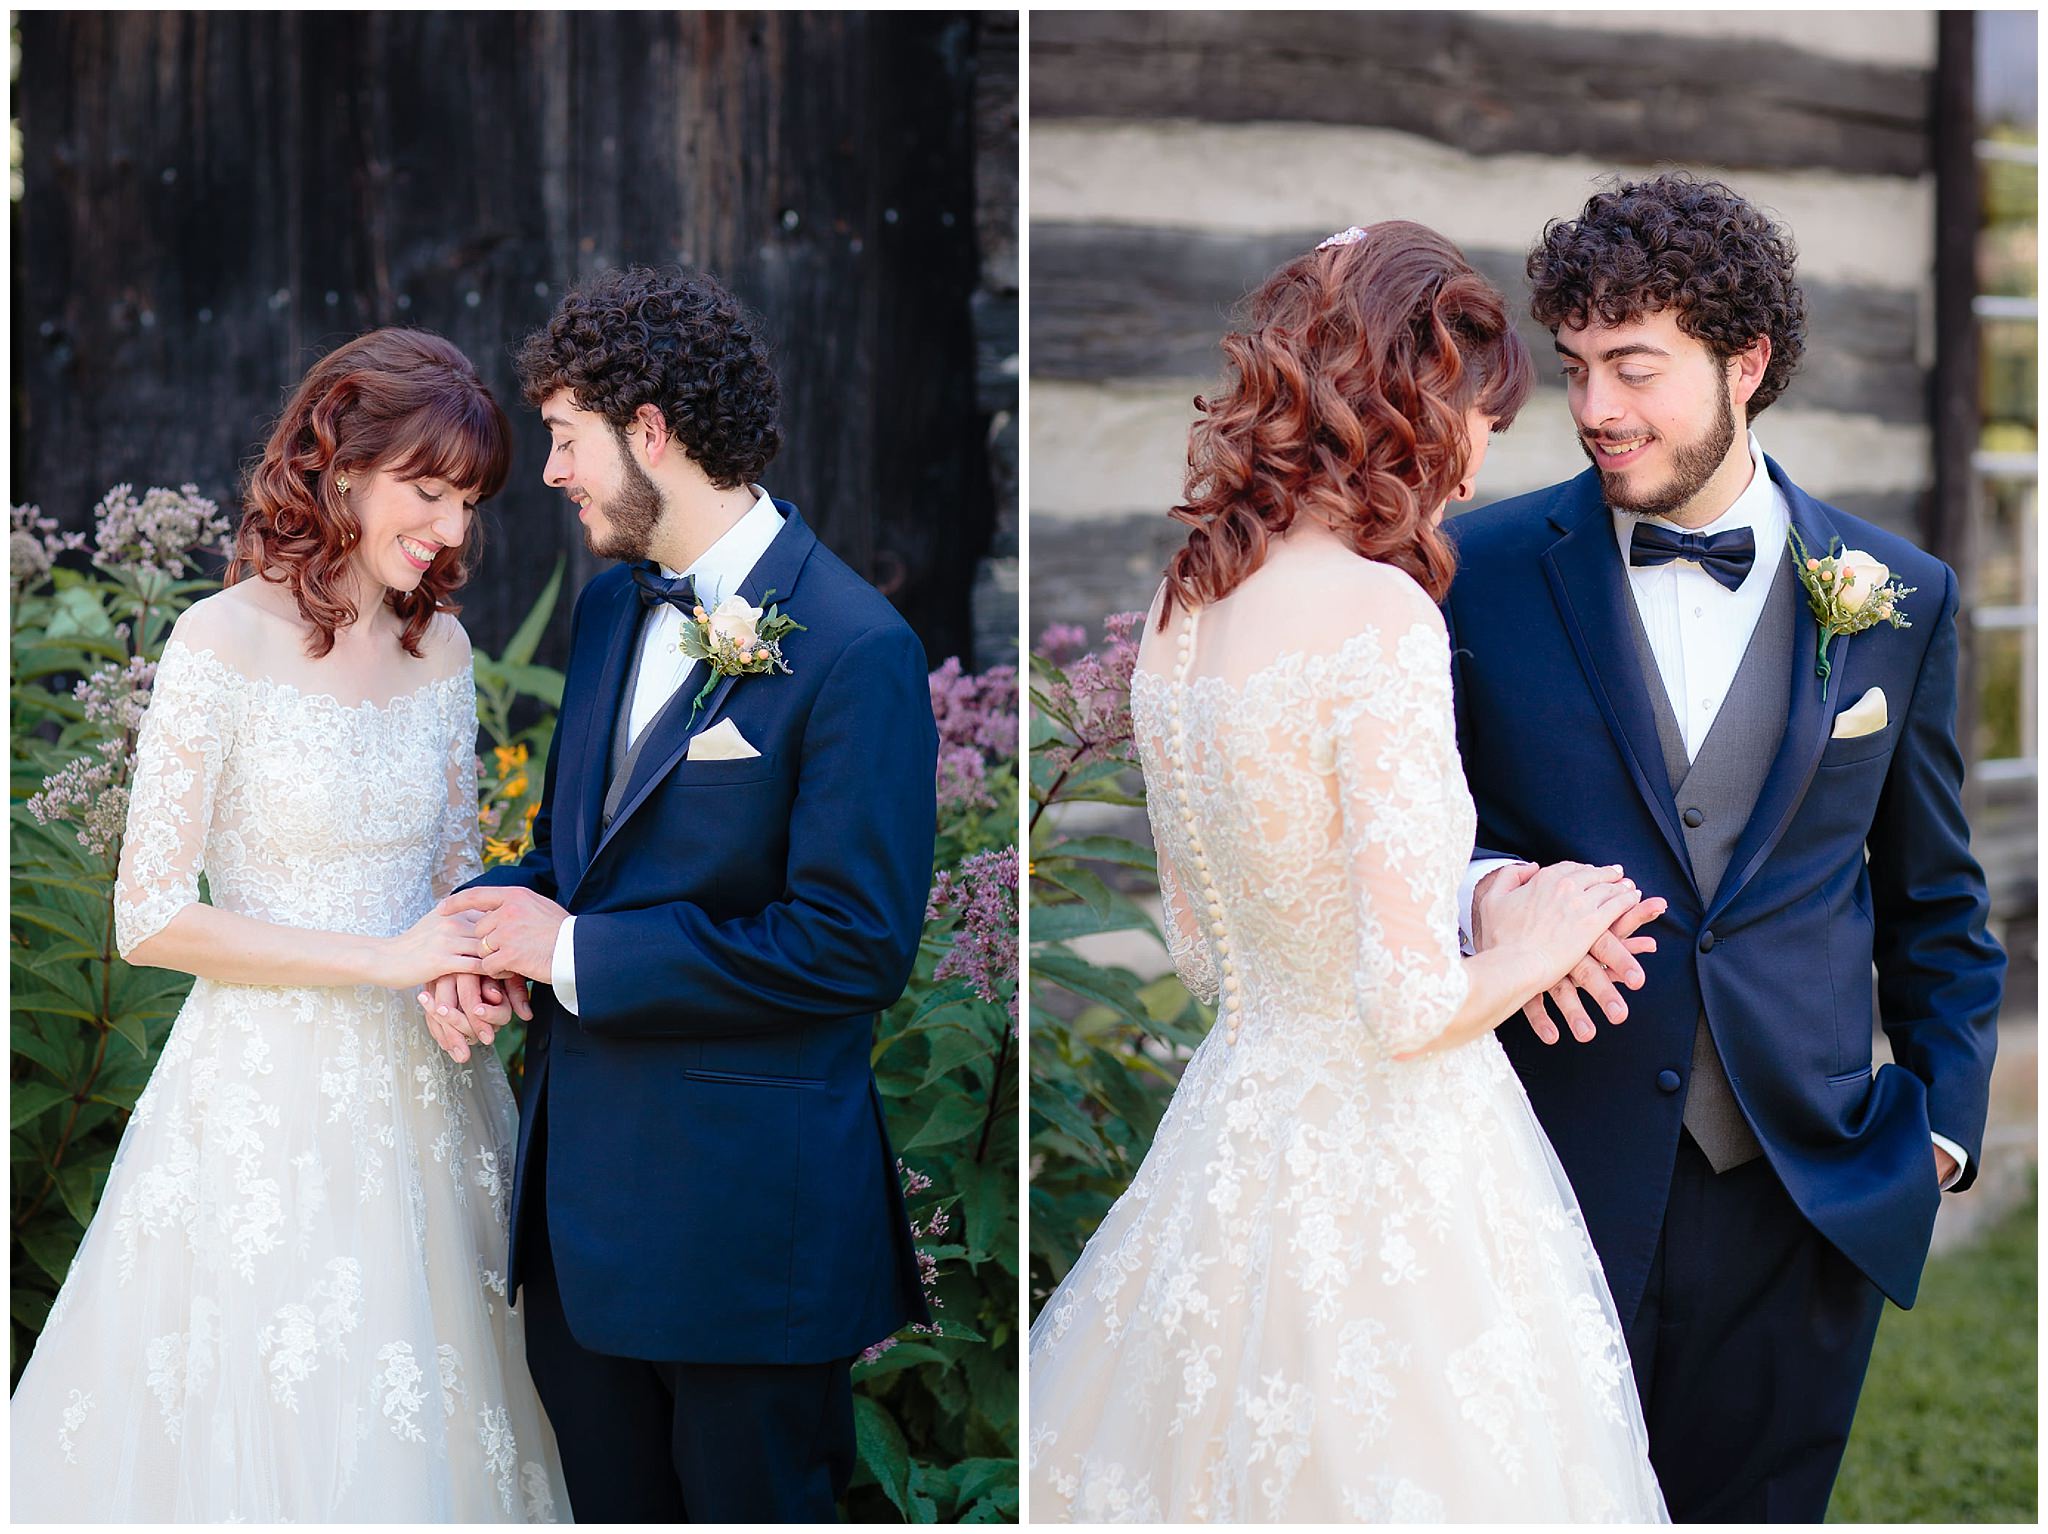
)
(1111, 302)
(212, 200)
(1488, 85)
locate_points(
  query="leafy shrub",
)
(1106, 1044)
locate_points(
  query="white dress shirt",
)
(1698, 630)
(716, 575)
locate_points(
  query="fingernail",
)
(1635, 977)
(1617, 1011)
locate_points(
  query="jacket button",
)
(1707, 941)
(1667, 1081)
(1694, 818)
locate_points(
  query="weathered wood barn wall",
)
(1176, 158)
(211, 200)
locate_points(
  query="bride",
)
(1349, 1280)
(291, 1304)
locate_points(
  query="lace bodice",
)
(1312, 824)
(299, 809)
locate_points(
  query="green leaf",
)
(50, 1245)
(905, 1355)
(952, 1049)
(1103, 849)
(54, 1003)
(883, 1450)
(526, 638)
(133, 1029)
(1116, 989)
(1071, 919)
(955, 1116)
(75, 1186)
(30, 1100)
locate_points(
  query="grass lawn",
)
(1946, 1428)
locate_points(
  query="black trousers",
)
(1750, 1347)
(655, 1442)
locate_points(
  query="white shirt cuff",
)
(1476, 870)
(1962, 1157)
(564, 982)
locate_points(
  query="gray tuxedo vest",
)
(1715, 794)
(625, 747)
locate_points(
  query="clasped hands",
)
(1609, 963)
(515, 930)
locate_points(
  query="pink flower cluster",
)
(983, 890)
(1094, 691)
(33, 546)
(933, 1229)
(977, 719)
(92, 791)
(157, 535)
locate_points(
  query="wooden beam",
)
(1488, 85)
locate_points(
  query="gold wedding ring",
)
(487, 947)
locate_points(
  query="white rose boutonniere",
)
(1849, 592)
(735, 638)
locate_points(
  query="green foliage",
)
(1946, 1428)
(936, 1415)
(1106, 1045)
(936, 1410)
(86, 1027)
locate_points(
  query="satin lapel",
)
(777, 571)
(1807, 719)
(596, 725)
(1589, 584)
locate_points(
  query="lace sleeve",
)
(179, 753)
(460, 860)
(1184, 941)
(1396, 775)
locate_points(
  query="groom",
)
(728, 881)
(1636, 684)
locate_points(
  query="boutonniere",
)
(1849, 592)
(735, 638)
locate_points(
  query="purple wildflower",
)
(983, 890)
(1094, 695)
(157, 535)
(91, 793)
(1062, 642)
(976, 710)
(33, 546)
(914, 1183)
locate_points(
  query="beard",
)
(630, 517)
(1692, 465)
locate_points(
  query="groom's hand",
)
(1945, 1167)
(518, 928)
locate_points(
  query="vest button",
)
(1707, 941)
(1694, 818)
(1667, 1081)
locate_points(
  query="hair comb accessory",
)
(1349, 236)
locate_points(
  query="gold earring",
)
(342, 481)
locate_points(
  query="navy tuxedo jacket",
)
(720, 1187)
(1560, 750)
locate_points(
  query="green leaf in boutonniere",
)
(736, 638)
(1849, 592)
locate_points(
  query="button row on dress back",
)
(1228, 1009)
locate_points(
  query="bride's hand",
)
(1556, 916)
(435, 945)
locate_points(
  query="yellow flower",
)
(510, 757)
(515, 787)
(531, 811)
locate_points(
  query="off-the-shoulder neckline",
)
(206, 653)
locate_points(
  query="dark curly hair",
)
(405, 401)
(1348, 388)
(1677, 242)
(672, 339)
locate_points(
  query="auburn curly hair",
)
(1351, 379)
(404, 401)
(1677, 242)
(671, 339)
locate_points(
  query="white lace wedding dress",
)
(1342, 1285)
(291, 1304)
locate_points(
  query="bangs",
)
(459, 436)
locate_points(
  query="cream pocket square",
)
(723, 742)
(1866, 717)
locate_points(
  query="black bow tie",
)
(656, 590)
(1727, 557)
